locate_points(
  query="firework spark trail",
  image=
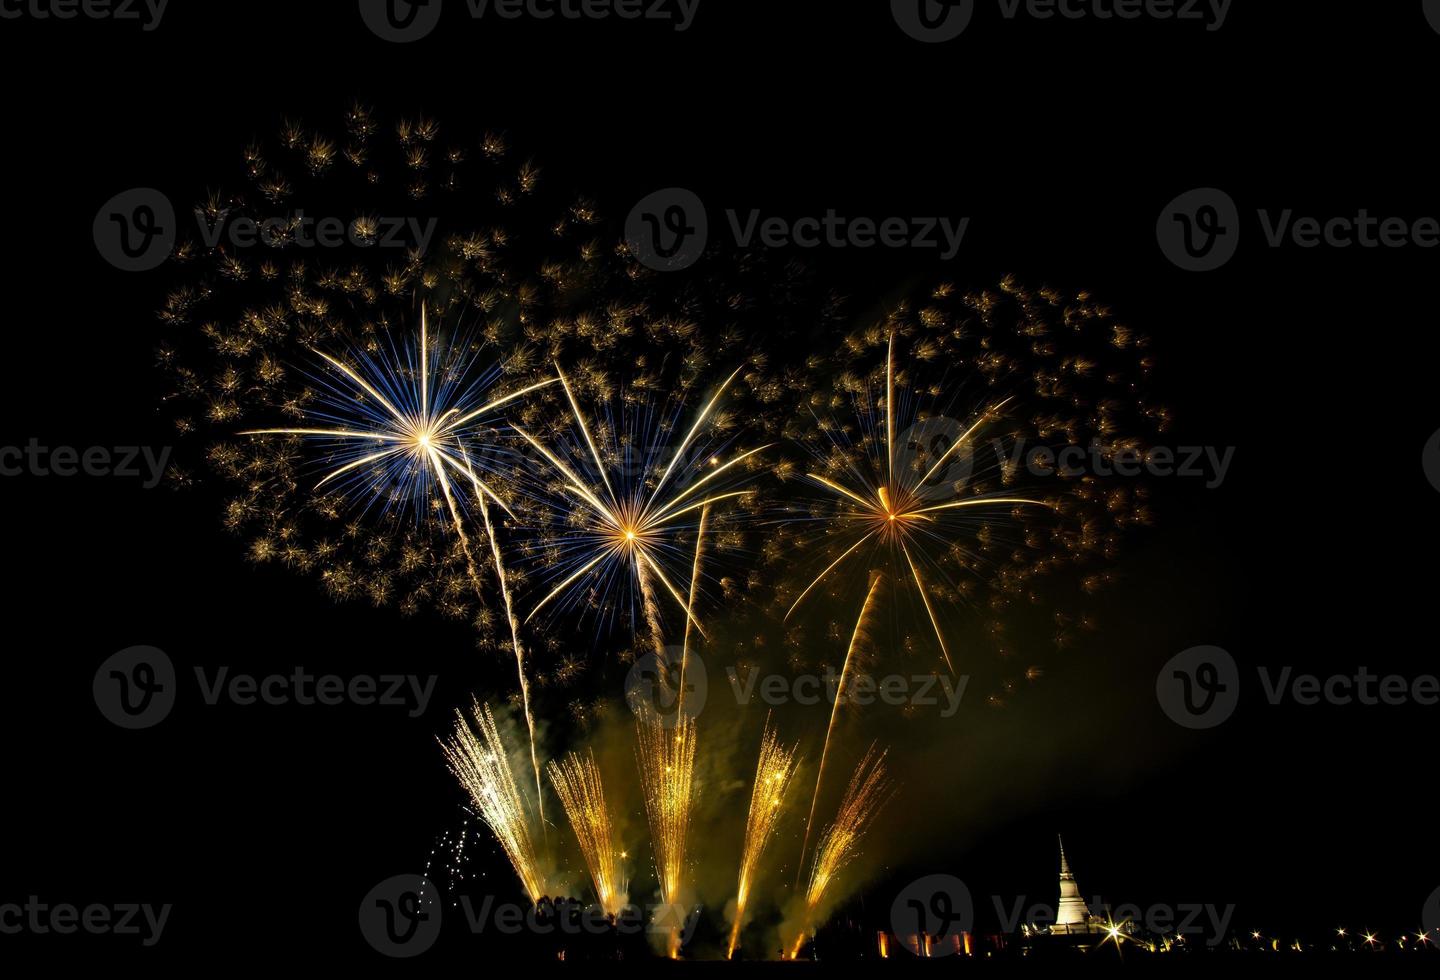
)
(478, 758)
(772, 780)
(667, 773)
(519, 655)
(577, 782)
(834, 712)
(891, 510)
(868, 791)
(424, 438)
(690, 606)
(651, 609)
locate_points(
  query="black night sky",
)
(1062, 141)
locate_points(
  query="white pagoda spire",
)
(1072, 910)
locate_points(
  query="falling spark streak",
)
(631, 526)
(431, 440)
(667, 772)
(690, 436)
(834, 712)
(514, 644)
(577, 782)
(478, 759)
(867, 792)
(772, 781)
(893, 510)
(690, 607)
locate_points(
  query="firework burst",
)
(398, 427)
(626, 507)
(773, 774)
(577, 782)
(882, 502)
(480, 762)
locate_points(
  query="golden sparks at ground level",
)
(667, 773)
(577, 782)
(772, 780)
(868, 790)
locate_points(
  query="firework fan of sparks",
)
(868, 791)
(582, 793)
(480, 762)
(773, 775)
(666, 757)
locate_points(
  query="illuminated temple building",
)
(1072, 915)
